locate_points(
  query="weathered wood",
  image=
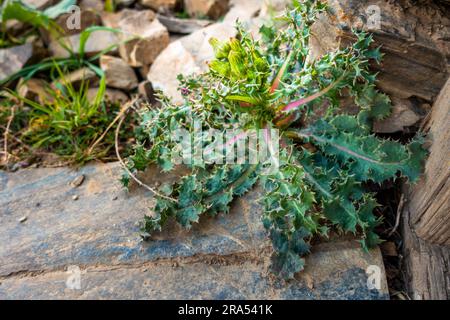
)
(429, 203)
(427, 265)
(426, 218)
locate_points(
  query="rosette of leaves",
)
(325, 160)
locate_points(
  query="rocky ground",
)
(52, 219)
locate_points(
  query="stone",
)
(13, 59)
(78, 181)
(273, 7)
(39, 4)
(34, 89)
(223, 257)
(23, 219)
(118, 73)
(124, 3)
(413, 39)
(182, 26)
(159, 5)
(242, 10)
(76, 77)
(93, 5)
(146, 91)
(188, 55)
(111, 95)
(88, 18)
(213, 9)
(98, 41)
(174, 60)
(143, 37)
(402, 116)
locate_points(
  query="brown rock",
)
(143, 36)
(145, 90)
(118, 73)
(111, 95)
(413, 39)
(159, 5)
(34, 89)
(402, 116)
(213, 9)
(14, 58)
(94, 5)
(88, 18)
(78, 181)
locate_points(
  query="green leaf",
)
(286, 265)
(187, 216)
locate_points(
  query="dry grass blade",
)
(121, 116)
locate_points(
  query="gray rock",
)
(182, 26)
(118, 73)
(98, 41)
(13, 59)
(220, 258)
(124, 3)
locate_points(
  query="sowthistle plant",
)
(324, 161)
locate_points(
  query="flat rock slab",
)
(94, 227)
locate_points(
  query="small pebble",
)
(77, 181)
(75, 197)
(23, 219)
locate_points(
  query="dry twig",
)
(139, 182)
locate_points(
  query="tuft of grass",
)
(67, 123)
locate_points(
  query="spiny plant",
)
(326, 157)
